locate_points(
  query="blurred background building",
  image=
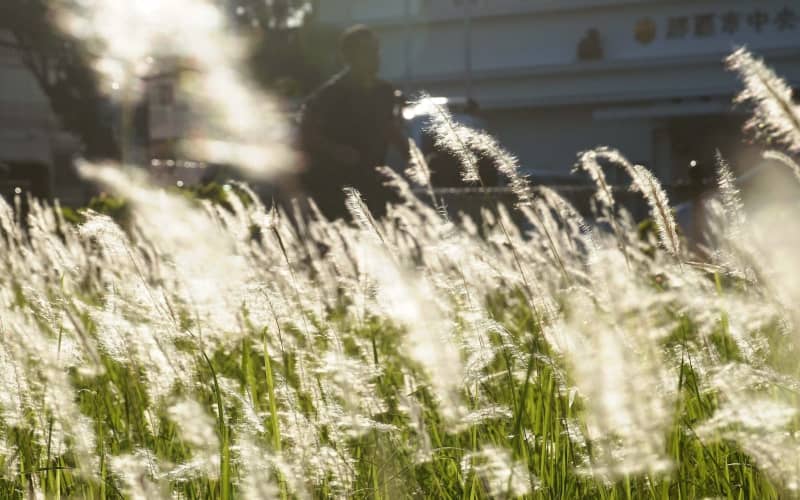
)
(554, 77)
(551, 77)
(53, 106)
(32, 145)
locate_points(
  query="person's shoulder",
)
(336, 81)
(327, 90)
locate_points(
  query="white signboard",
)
(757, 20)
(758, 16)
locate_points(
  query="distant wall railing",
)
(471, 201)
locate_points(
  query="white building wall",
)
(554, 136)
(540, 100)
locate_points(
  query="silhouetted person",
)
(347, 126)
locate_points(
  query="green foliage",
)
(113, 206)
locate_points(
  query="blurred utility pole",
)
(468, 47)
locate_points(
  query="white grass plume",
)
(469, 145)
(411, 302)
(731, 199)
(503, 476)
(396, 182)
(452, 137)
(589, 162)
(660, 209)
(757, 413)
(361, 213)
(418, 170)
(139, 472)
(785, 160)
(775, 115)
(506, 163)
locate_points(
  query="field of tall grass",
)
(218, 351)
(211, 350)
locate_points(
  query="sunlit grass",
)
(211, 349)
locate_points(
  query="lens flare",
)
(135, 41)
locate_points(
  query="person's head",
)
(360, 50)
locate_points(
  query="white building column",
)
(467, 48)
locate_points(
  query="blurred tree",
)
(64, 73)
(291, 53)
(289, 56)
